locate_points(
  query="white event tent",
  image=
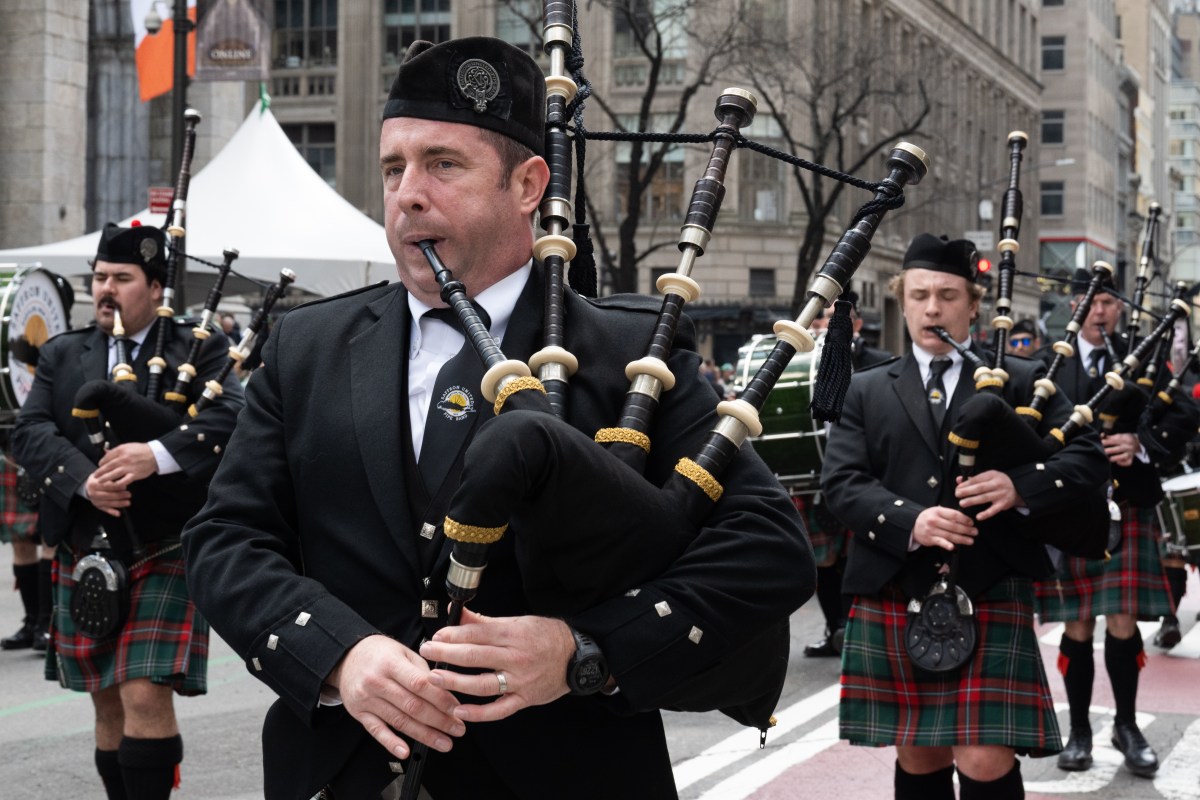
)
(260, 197)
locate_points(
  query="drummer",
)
(830, 538)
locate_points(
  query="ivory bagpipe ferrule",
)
(122, 371)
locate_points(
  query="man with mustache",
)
(153, 481)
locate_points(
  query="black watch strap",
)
(587, 671)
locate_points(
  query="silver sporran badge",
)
(479, 82)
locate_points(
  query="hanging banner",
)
(154, 53)
(233, 41)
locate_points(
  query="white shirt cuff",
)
(166, 462)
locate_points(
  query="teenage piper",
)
(886, 476)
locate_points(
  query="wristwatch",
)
(587, 671)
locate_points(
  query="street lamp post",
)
(179, 85)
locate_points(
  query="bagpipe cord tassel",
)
(837, 363)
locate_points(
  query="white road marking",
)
(746, 781)
(733, 748)
(1178, 775)
(1106, 759)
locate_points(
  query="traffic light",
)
(984, 274)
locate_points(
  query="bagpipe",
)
(122, 414)
(525, 467)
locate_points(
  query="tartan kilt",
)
(164, 638)
(1000, 697)
(829, 538)
(17, 523)
(1131, 582)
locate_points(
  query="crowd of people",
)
(314, 534)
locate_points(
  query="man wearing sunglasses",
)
(1024, 339)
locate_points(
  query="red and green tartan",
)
(164, 639)
(17, 523)
(1000, 697)
(830, 539)
(1131, 582)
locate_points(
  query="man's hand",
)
(386, 687)
(938, 526)
(993, 488)
(1120, 447)
(106, 496)
(127, 463)
(531, 652)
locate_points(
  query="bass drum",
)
(792, 442)
(34, 306)
(1179, 516)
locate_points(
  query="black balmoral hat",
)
(1082, 278)
(143, 245)
(937, 253)
(477, 81)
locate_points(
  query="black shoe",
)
(21, 640)
(1139, 755)
(1168, 635)
(822, 649)
(41, 640)
(1077, 755)
(839, 636)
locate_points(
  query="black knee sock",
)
(1177, 579)
(1008, 787)
(932, 786)
(148, 766)
(45, 594)
(27, 585)
(1124, 658)
(110, 773)
(1077, 663)
(829, 596)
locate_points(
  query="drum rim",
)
(8, 392)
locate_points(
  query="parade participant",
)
(18, 524)
(885, 475)
(1129, 585)
(320, 556)
(153, 486)
(1024, 339)
(830, 538)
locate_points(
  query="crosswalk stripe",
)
(745, 782)
(1189, 645)
(1178, 777)
(733, 748)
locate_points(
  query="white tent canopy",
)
(260, 197)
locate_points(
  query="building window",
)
(655, 274)
(762, 282)
(640, 19)
(406, 21)
(1054, 52)
(305, 33)
(512, 25)
(664, 198)
(316, 144)
(1052, 198)
(762, 182)
(1053, 127)
(1047, 3)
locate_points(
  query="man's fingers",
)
(490, 712)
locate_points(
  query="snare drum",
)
(792, 442)
(32, 310)
(1179, 516)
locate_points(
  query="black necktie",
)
(1096, 363)
(453, 405)
(935, 389)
